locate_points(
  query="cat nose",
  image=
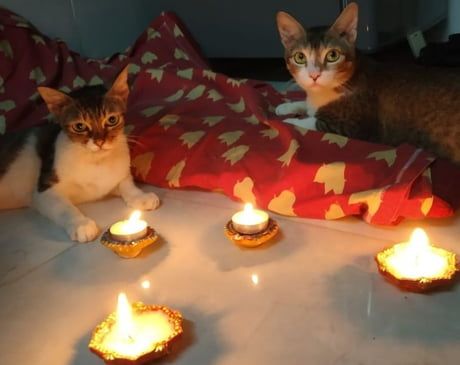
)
(99, 142)
(314, 75)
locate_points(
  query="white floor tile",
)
(319, 298)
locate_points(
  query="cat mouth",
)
(96, 149)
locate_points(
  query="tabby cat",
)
(82, 157)
(349, 94)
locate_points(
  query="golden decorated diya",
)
(417, 265)
(129, 237)
(136, 334)
(250, 227)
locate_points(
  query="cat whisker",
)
(136, 142)
(347, 87)
(133, 135)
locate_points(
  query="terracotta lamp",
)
(417, 265)
(135, 334)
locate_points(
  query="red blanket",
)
(199, 129)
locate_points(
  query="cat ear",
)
(290, 30)
(347, 23)
(120, 88)
(55, 100)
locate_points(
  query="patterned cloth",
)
(195, 128)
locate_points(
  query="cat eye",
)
(79, 127)
(112, 121)
(332, 56)
(300, 58)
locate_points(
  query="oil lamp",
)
(417, 265)
(135, 334)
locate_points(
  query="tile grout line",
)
(31, 270)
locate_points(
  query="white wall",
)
(453, 17)
(451, 25)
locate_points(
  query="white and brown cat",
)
(353, 95)
(82, 157)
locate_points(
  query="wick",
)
(129, 339)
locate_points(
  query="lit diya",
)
(251, 227)
(129, 237)
(417, 265)
(135, 334)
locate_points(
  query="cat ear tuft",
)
(55, 100)
(290, 29)
(120, 88)
(347, 23)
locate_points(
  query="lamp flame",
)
(145, 284)
(419, 241)
(125, 324)
(248, 208)
(134, 217)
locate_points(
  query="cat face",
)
(320, 57)
(92, 119)
(91, 116)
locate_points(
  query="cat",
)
(82, 157)
(347, 93)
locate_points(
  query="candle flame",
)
(134, 217)
(146, 284)
(248, 208)
(419, 241)
(255, 279)
(124, 319)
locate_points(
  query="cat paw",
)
(284, 109)
(144, 201)
(294, 107)
(83, 230)
(306, 123)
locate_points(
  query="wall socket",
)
(416, 42)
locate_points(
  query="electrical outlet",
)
(416, 42)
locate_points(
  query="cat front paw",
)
(306, 123)
(284, 109)
(294, 107)
(144, 201)
(83, 230)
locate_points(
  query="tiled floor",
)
(319, 299)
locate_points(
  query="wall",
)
(236, 28)
(453, 18)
